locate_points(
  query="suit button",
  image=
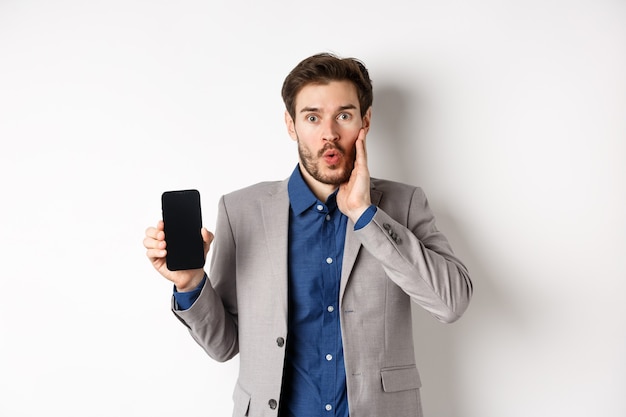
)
(273, 404)
(280, 342)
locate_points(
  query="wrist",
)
(191, 284)
(356, 214)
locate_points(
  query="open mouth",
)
(332, 156)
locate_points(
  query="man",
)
(311, 278)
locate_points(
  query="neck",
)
(319, 189)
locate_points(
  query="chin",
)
(335, 176)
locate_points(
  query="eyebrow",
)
(316, 109)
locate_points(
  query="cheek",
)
(306, 138)
(305, 131)
(350, 135)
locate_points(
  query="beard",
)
(336, 174)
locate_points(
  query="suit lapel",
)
(352, 246)
(275, 216)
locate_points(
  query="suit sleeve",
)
(212, 319)
(418, 258)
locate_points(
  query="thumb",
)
(207, 238)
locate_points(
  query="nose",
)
(330, 131)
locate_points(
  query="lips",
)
(332, 156)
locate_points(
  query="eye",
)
(344, 116)
(312, 118)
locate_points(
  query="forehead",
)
(333, 94)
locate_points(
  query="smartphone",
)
(182, 218)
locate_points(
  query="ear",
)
(367, 118)
(291, 126)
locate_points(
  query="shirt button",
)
(320, 207)
(330, 309)
(329, 357)
(273, 404)
(328, 217)
(329, 260)
(328, 407)
(280, 342)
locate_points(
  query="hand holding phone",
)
(182, 218)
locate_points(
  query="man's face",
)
(326, 125)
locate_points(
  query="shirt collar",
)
(300, 195)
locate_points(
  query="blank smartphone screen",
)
(182, 220)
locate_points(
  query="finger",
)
(207, 236)
(154, 254)
(151, 243)
(156, 232)
(361, 153)
(362, 134)
(152, 232)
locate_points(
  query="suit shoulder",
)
(388, 186)
(255, 191)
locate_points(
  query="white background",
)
(510, 114)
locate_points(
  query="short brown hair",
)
(322, 69)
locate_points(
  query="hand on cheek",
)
(354, 195)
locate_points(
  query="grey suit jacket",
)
(398, 257)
